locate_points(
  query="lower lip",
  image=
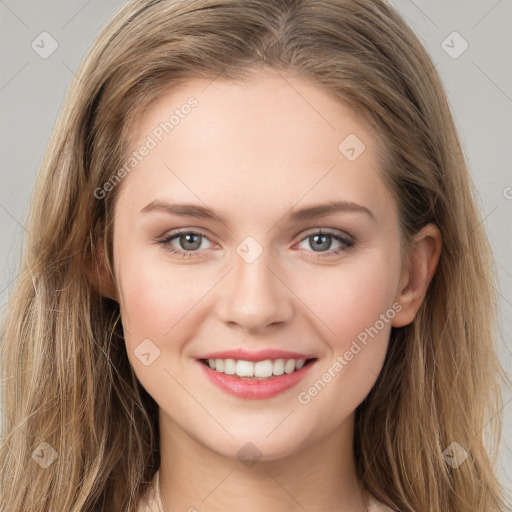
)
(255, 389)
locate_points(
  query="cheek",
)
(156, 299)
(351, 298)
(357, 307)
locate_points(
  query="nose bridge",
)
(253, 297)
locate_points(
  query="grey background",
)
(478, 83)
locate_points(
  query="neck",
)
(319, 476)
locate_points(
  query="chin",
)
(251, 447)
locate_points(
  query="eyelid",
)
(170, 235)
(180, 231)
(327, 231)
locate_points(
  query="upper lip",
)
(256, 355)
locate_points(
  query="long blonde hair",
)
(66, 377)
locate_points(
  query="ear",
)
(98, 274)
(415, 279)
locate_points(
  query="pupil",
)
(323, 244)
(189, 240)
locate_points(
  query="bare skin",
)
(255, 153)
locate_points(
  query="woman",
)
(260, 367)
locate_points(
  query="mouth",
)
(251, 380)
(260, 370)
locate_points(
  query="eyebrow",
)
(309, 212)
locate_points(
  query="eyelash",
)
(345, 241)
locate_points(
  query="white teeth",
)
(243, 369)
(289, 366)
(278, 368)
(229, 366)
(258, 370)
(263, 368)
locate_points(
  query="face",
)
(256, 270)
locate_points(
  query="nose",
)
(253, 297)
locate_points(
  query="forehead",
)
(255, 111)
(274, 137)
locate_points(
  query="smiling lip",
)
(253, 389)
(255, 356)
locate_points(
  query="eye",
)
(321, 241)
(188, 243)
(184, 243)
